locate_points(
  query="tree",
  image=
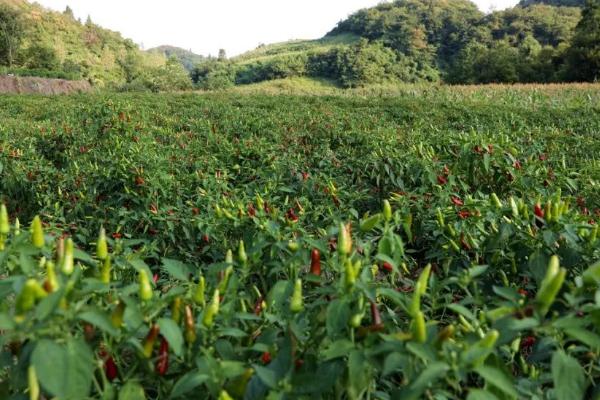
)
(222, 55)
(584, 55)
(69, 12)
(11, 33)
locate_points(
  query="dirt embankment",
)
(32, 85)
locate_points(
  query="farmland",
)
(409, 242)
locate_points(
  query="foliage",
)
(11, 34)
(449, 289)
(169, 77)
(584, 54)
(185, 57)
(213, 74)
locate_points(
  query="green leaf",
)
(48, 305)
(187, 383)
(359, 374)
(462, 310)
(497, 378)
(429, 376)
(6, 323)
(64, 370)
(568, 376)
(338, 315)
(266, 375)
(172, 333)
(100, 320)
(478, 394)
(132, 391)
(584, 336)
(176, 269)
(337, 349)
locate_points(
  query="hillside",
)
(556, 3)
(187, 58)
(54, 43)
(418, 41)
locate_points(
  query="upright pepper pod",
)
(387, 211)
(440, 218)
(315, 262)
(33, 383)
(105, 271)
(514, 208)
(376, 321)
(4, 226)
(145, 289)
(116, 317)
(176, 309)
(51, 284)
(37, 233)
(297, 302)
(242, 256)
(17, 227)
(101, 245)
(344, 244)
(190, 325)
(350, 274)
(162, 363)
(367, 224)
(495, 200)
(212, 310)
(420, 290)
(199, 297)
(31, 292)
(150, 340)
(68, 261)
(479, 352)
(550, 286)
(419, 327)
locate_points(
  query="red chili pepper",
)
(457, 201)
(377, 323)
(464, 214)
(266, 357)
(388, 267)
(258, 307)
(299, 364)
(442, 180)
(111, 369)
(527, 342)
(517, 164)
(315, 262)
(523, 292)
(162, 363)
(139, 181)
(538, 211)
(148, 344)
(117, 235)
(291, 215)
(251, 210)
(155, 278)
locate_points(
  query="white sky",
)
(205, 26)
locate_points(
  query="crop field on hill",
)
(422, 243)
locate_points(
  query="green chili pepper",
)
(116, 318)
(370, 223)
(387, 211)
(145, 289)
(176, 309)
(105, 271)
(419, 328)
(32, 383)
(101, 245)
(297, 302)
(199, 297)
(212, 310)
(37, 233)
(190, 326)
(344, 244)
(68, 258)
(242, 256)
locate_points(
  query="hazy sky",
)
(205, 26)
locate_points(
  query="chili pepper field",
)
(441, 243)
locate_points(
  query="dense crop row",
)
(435, 245)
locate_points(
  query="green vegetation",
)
(51, 44)
(438, 243)
(404, 41)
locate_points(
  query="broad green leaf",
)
(132, 391)
(568, 376)
(337, 349)
(172, 333)
(338, 315)
(100, 320)
(187, 383)
(64, 370)
(478, 394)
(176, 269)
(584, 336)
(266, 375)
(497, 378)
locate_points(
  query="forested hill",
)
(437, 41)
(557, 3)
(39, 42)
(398, 41)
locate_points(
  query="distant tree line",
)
(401, 41)
(427, 40)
